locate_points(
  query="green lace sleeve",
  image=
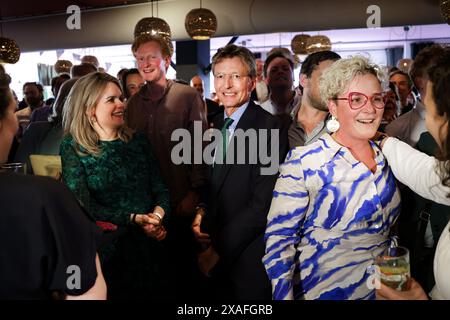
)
(74, 176)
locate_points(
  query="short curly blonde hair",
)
(336, 79)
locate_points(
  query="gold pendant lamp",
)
(200, 23)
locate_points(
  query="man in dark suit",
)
(240, 192)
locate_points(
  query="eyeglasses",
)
(235, 77)
(357, 100)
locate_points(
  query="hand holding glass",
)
(394, 267)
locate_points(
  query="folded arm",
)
(415, 169)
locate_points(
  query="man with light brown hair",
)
(160, 107)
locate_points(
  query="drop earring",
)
(333, 124)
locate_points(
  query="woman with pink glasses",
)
(336, 199)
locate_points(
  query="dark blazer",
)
(239, 201)
(43, 231)
(213, 109)
(212, 106)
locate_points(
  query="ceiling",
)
(32, 8)
(111, 22)
(11, 9)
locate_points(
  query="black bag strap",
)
(424, 218)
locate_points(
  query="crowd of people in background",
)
(364, 159)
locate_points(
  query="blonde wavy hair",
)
(336, 79)
(81, 102)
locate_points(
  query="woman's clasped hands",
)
(152, 225)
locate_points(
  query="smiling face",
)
(151, 63)
(232, 83)
(436, 124)
(110, 109)
(363, 123)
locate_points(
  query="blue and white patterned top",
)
(329, 217)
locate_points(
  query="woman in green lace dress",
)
(114, 174)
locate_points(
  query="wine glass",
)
(394, 267)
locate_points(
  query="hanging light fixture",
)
(153, 26)
(156, 27)
(63, 66)
(9, 50)
(445, 10)
(318, 43)
(404, 64)
(298, 43)
(200, 23)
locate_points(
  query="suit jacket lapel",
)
(245, 122)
